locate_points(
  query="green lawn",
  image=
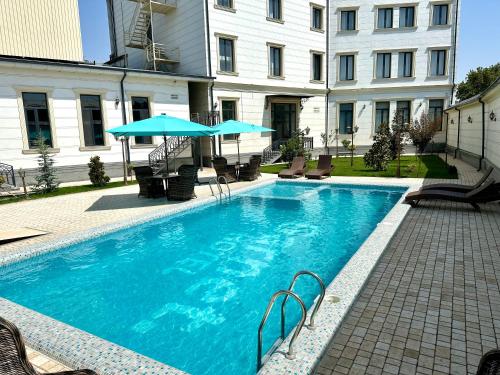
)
(64, 191)
(432, 166)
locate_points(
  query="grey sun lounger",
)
(295, 170)
(489, 191)
(458, 187)
(324, 168)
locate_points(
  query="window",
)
(317, 18)
(226, 55)
(381, 114)
(403, 108)
(383, 65)
(93, 127)
(346, 68)
(440, 14)
(225, 3)
(274, 11)
(384, 18)
(348, 20)
(36, 112)
(317, 67)
(407, 17)
(438, 63)
(346, 111)
(275, 61)
(140, 111)
(228, 112)
(436, 112)
(405, 66)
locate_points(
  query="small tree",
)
(379, 155)
(398, 135)
(22, 173)
(96, 173)
(294, 147)
(327, 138)
(46, 180)
(421, 132)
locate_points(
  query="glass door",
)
(283, 120)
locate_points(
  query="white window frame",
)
(234, 38)
(413, 62)
(339, 19)
(431, 14)
(415, 16)
(355, 62)
(48, 91)
(282, 60)
(384, 6)
(322, 8)
(447, 62)
(375, 60)
(282, 15)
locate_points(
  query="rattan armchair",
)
(251, 171)
(13, 357)
(222, 169)
(181, 188)
(149, 187)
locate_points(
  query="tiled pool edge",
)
(347, 285)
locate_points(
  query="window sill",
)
(438, 27)
(347, 32)
(385, 30)
(407, 28)
(437, 78)
(322, 31)
(143, 146)
(382, 80)
(33, 151)
(229, 141)
(320, 82)
(223, 73)
(275, 20)
(94, 148)
(220, 7)
(275, 77)
(347, 81)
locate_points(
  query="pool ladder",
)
(218, 182)
(288, 293)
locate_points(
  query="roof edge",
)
(475, 98)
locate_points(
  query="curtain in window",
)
(317, 18)
(406, 17)
(383, 65)
(348, 20)
(405, 65)
(275, 9)
(226, 54)
(346, 118)
(440, 14)
(347, 68)
(438, 63)
(275, 56)
(384, 18)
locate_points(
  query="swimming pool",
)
(190, 289)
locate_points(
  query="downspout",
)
(124, 113)
(455, 37)
(446, 138)
(209, 67)
(458, 133)
(327, 79)
(483, 135)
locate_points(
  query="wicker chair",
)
(251, 171)
(490, 363)
(222, 169)
(149, 187)
(181, 188)
(13, 357)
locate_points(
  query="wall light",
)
(452, 121)
(117, 103)
(469, 119)
(493, 117)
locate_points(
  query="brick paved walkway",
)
(432, 304)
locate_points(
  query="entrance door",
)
(283, 120)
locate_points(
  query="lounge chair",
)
(457, 187)
(295, 170)
(490, 363)
(149, 187)
(181, 188)
(222, 169)
(250, 172)
(13, 357)
(489, 191)
(324, 168)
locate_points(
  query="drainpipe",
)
(455, 37)
(209, 68)
(446, 138)
(124, 114)
(327, 78)
(458, 133)
(483, 139)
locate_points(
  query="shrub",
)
(96, 173)
(380, 153)
(294, 147)
(46, 180)
(2, 180)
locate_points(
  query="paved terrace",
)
(432, 304)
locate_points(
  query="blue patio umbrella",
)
(238, 127)
(162, 125)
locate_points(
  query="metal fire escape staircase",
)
(141, 33)
(159, 159)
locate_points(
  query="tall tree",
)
(477, 81)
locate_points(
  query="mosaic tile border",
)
(311, 344)
(79, 349)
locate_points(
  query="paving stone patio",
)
(432, 304)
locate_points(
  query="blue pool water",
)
(189, 290)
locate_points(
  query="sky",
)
(478, 40)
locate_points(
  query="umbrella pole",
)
(238, 145)
(125, 177)
(166, 152)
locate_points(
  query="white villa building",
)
(326, 66)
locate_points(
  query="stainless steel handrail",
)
(316, 308)
(224, 181)
(210, 185)
(291, 352)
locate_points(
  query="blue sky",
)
(478, 43)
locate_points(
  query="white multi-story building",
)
(268, 58)
(389, 56)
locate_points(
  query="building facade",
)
(48, 29)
